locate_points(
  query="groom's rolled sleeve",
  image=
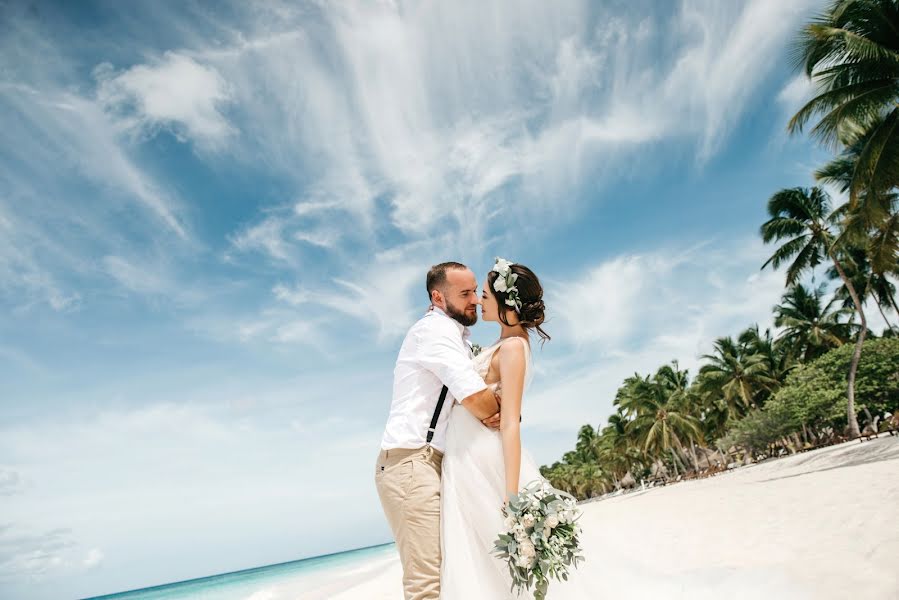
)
(442, 352)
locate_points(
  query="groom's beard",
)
(460, 315)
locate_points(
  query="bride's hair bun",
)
(532, 312)
(530, 293)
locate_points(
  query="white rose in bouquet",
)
(527, 549)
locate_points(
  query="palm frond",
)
(787, 251)
(864, 93)
(850, 45)
(878, 162)
(849, 120)
(884, 246)
(838, 172)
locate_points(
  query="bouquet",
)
(541, 538)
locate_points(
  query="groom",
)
(433, 368)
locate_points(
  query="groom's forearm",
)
(482, 404)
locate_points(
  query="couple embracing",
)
(451, 453)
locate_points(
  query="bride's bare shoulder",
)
(514, 347)
(515, 344)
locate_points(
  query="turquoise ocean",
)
(298, 576)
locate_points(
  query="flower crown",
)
(505, 283)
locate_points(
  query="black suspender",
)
(437, 414)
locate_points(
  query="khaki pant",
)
(408, 483)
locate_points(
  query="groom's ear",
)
(437, 298)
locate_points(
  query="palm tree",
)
(735, 374)
(868, 283)
(591, 481)
(715, 414)
(561, 476)
(811, 328)
(614, 436)
(661, 425)
(873, 225)
(775, 356)
(851, 52)
(615, 450)
(627, 398)
(803, 217)
(585, 449)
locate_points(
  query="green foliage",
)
(877, 383)
(757, 429)
(815, 396)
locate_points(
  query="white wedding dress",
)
(472, 495)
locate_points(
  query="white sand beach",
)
(821, 524)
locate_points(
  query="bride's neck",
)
(507, 331)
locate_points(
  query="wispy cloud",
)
(142, 279)
(636, 313)
(34, 555)
(51, 125)
(93, 559)
(796, 93)
(174, 92)
(65, 171)
(606, 305)
(24, 280)
(380, 298)
(267, 236)
(410, 115)
(11, 482)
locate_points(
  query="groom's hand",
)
(492, 422)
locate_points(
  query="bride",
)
(482, 467)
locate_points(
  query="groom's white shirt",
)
(435, 353)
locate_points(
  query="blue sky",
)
(215, 220)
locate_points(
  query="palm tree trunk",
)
(684, 458)
(893, 302)
(857, 354)
(693, 452)
(882, 314)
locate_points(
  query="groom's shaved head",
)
(437, 276)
